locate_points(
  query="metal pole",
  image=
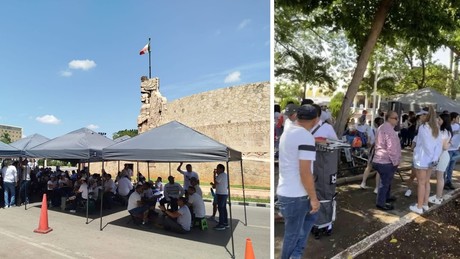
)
(137, 165)
(244, 194)
(87, 198)
(148, 170)
(230, 207)
(150, 64)
(102, 198)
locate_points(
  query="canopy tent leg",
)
(87, 198)
(148, 170)
(169, 168)
(102, 199)
(138, 171)
(118, 166)
(230, 207)
(244, 194)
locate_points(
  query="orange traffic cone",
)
(43, 227)
(249, 253)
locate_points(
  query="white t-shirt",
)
(187, 176)
(455, 141)
(295, 144)
(124, 186)
(325, 130)
(84, 190)
(325, 115)
(110, 184)
(185, 218)
(222, 184)
(54, 184)
(133, 199)
(198, 190)
(198, 205)
(10, 174)
(428, 149)
(174, 190)
(287, 124)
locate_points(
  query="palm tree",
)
(305, 69)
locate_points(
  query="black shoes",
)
(391, 199)
(449, 186)
(385, 207)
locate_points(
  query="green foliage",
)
(120, 133)
(5, 138)
(284, 90)
(336, 104)
(285, 101)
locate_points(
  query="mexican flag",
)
(145, 49)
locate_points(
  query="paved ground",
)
(357, 216)
(73, 238)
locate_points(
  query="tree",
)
(6, 138)
(305, 70)
(286, 90)
(120, 133)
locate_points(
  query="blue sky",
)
(65, 65)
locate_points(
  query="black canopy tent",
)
(83, 145)
(175, 142)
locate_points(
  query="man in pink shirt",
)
(386, 159)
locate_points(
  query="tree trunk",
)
(455, 81)
(422, 84)
(453, 91)
(376, 28)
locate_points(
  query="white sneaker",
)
(408, 193)
(434, 200)
(376, 190)
(425, 208)
(415, 209)
(363, 186)
(72, 211)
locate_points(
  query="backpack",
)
(363, 137)
(357, 142)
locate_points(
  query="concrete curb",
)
(363, 245)
(252, 204)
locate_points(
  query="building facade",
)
(14, 132)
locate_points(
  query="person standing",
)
(221, 183)
(25, 182)
(426, 157)
(296, 188)
(387, 156)
(189, 173)
(453, 150)
(10, 181)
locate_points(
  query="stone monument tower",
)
(153, 104)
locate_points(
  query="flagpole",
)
(150, 64)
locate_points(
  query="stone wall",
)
(238, 117)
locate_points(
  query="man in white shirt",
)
(290, 111)
(136, 206)
(296, 188)
(189, 173)
(194, 182)
(124, 186)
(453, 150)
(172, 192)
(24, 189)
(221, 184)
(196, 202)
(178, 221)
(110, 189)
(325, 114)
(10, 180)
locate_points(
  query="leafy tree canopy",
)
(129, 132)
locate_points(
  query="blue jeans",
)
(222, 208)
(386, 172)
(10, 188)
(298, 223)
(454, 155)
(24, 191)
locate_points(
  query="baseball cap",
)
(307, 112)
(291, 109)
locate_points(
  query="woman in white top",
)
(446, 135)
(426, 157)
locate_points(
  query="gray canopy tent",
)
(428, 96)
(82, 145)
(29, 142)
(175, 142)
(9, 151)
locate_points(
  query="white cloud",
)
(233, 77)
(82, 64)
(92, 127)
(48, 119)
(243, 24)
(66, 73)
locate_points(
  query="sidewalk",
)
(357, 217)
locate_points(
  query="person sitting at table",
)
(110, 189)
(80, 195)
(196, 204)
(178, 221)
(124, 188)
(149, 195)
(51, 187)
(172, 191)
(138, 208)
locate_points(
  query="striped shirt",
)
(387, 145)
